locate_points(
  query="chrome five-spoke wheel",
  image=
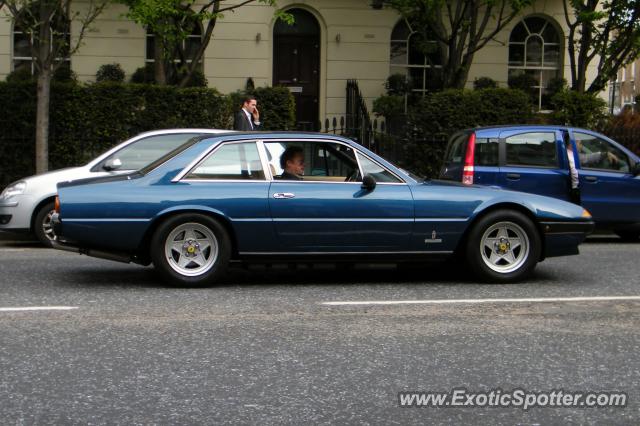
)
(190, 249)
(504, 247)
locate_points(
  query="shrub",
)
(64, 74)
(20, 75)
(484, 83)
(143, 75)
(625, 128)
(398, 84)
(197, 79)
(579, 109)
(87, 120)
(110, 72)
(439, 115)
(389, 106)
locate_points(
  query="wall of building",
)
(354, 45)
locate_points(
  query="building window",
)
(535, 55)
(23, 41)
(184, 51)
(417, 57)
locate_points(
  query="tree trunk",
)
(159, 70)
(42, 121)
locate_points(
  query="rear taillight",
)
(467, 171)
(56, 205)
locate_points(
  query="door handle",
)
(513, 176)
(592, 179)
(283, 195)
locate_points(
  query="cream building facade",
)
(353, 41)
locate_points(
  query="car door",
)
(608, 189)
(532, 161)
(328, 211)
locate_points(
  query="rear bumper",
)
(563, 238)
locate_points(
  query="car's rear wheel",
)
(42, 226)
(630, 236)
(503, 246)
(191, 250)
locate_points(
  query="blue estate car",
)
(534, 159)
(222, 198)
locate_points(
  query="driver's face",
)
(296, 165)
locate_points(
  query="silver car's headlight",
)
(15, 188)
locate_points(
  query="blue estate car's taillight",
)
(467, 171)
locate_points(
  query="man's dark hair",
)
(248, 98)
(289, 154)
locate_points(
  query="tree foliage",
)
(172, 21)
(606, 32)
(459, 27)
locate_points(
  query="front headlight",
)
(15, 188)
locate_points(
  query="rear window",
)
(457, 146)
(537, 149)
(486, 152)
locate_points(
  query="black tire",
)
(42, 225)
(508, 262)
(180, 265)
(629, 236)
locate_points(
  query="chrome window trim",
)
(330, 253)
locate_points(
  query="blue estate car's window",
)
(232, 161)
(379, 174)
(536, 149)
(596, 153)
(323, 161)
(486, 152)
(142, 152)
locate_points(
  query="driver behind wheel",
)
(292, 161)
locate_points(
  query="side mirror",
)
(635, 170)
(368, 183)
(112, 164)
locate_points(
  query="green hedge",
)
(435, 118)
(86, 120)
(276, 105)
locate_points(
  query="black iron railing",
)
(358, 125)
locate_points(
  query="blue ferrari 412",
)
(287, 197)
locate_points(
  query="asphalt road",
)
(262, 348)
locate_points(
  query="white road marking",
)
(39, 308)
(479, 301)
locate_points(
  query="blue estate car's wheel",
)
(191, 250)
(503, 246)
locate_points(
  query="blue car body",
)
(116, 217)
(611, 194)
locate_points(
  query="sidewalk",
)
(18, 237)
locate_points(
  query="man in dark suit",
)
(292, 162)
(248, 118)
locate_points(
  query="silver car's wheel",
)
(42, 225)
(504, 247)
(191, 249)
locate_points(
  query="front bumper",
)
(563, 238)
(14, 215)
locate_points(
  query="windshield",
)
(169, 155)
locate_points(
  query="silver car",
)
(27, 205)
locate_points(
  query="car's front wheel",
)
(42, 226)
(503, 246)
(191, 250)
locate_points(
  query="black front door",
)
(296, 65)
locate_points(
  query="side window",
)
(312, 161)
(138, 154)
(596, 153)
(374, 169)
(532, 149)
(455, 153)
(232, 161)
(486, 152)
